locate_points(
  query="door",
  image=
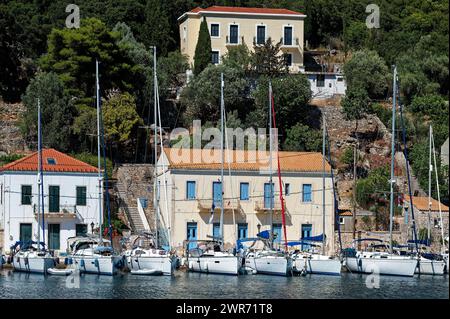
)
(216, 230)
(268, 195)
(234, 34)
(276, 228)
(25, 232)
(217, 193)
(260, 34)
(242, 231)
(306, 232)
(192, 234)
(53, 236)
(53, 198)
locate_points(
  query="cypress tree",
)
(203, 49)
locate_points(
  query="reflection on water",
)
(195, 285)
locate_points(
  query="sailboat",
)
(432, 264)
(31, 256)
(314, 263)
(268, 260)
(97, 256)
(378, 260)
(210, 257)
(146, 257)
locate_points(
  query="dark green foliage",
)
(157, 27)
(347, 156)
(57, 112)
(202, 57)
(301, 137)
(5, 159)
(92, 159)
(373, 188)
(356, 103)
(268, 60)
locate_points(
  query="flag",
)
(212, 213)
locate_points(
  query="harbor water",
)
(16, 285)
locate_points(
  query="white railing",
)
(142, 214)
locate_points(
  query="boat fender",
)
(96, 263)
(66, 261)
(82, 263)
(18, 259)
(26, 260)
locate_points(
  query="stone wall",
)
(11, 140)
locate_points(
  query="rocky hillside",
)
(11, 140)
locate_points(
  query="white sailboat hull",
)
(430, 267)
(34, 264)
(383, 266)
(320, 264)
(227, 265)
(102, 265)
(270, 265)
(164, 264)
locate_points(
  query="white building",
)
(326, 84)
(71, 205)
(193, 184)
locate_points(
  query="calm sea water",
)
(192, 285)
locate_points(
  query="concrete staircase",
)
(135, 181)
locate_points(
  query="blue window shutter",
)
(306, 192)
(190, 190)
(244, 191)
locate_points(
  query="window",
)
(81, 196)
(306, 193)
(53, 236)
(215, 57)
(51, 161)
(234, 34)
(320, 80)
(287, 189)
(288, 59)
(53, 199)
(217, 193)
(26, 194)
(25, 232)
(244, 191)
(268, 195)
(216, 230)
(184, 33)
(215, 31)
(260, 34)
(341, 220)
(242, 231)
(340, 79)
(190, 190)
(80, 230)
(287, 35)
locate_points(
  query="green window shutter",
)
(26, 194)
(81, 196)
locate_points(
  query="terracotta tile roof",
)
(245, 10)
(421, 203)
(245, 160)
(345, 213)
(63, 163)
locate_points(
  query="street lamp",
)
(92, 227)
(259, 227)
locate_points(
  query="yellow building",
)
(231, 26)
(193, 184)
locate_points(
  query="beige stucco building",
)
(231, 26)
(193, 181)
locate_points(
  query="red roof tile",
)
(245, 10)
(63, 163)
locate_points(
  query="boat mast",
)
(221, 154)
(100, 199)
(438, 194)
(270, 166)
(39, 176)
(392, 181)
(155, 144)
(323, 186)
(430, 169)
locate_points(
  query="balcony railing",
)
(234, 41)
(228, 204)
(292, 42)
(63, 211)
(264, 205)
(259, 41)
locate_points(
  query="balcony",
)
(290, 43)
(263, 206)
(234, 40)
(259, 41)
(64, 211)
(205, 205)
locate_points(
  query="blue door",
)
(192, 234)
(242, 231)
(217, 193)
(276, 228)
(306, 232)
(268, 195)
(216, 230)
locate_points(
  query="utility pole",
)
(355, 154)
